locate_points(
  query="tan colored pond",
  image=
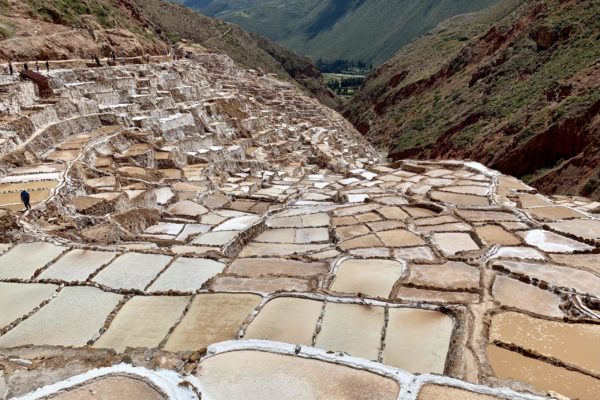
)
(372, 277)
(543, 376)
(514, 293)
(112, 388)
(417, 340)
(352, 328)
(254, 375)
(575, 344)
(211, 318)
(286, 319)
(439, 392)
(143, 321)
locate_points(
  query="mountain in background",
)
(356, 30)
(516, 87)
(63, 29)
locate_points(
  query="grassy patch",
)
(174, 37)
(590, 187)
(467, 136)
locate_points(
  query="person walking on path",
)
(25, 199)
(37, 67)
(26, 67)
(10, 67)
(47, 66)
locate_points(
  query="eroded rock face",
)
(229, 223)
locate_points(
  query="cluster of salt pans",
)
(180, 205)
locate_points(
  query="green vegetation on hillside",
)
(344, 85)
(70, 12)
(88, 14)
(370, 31)
(520, 95)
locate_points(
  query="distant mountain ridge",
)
(356, 30)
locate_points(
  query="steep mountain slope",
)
(62, 29)
(522, 96)
(357, 30)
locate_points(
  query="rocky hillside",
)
(521, 94)
(356, 30)
(63, 29)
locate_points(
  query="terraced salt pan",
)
(350, 231)
(477, 190)
(279, 250)
(215, 238)
(18, 299)
(513, 293)
(143, 322)
(77, 265)
(400, 238)
(286, 235)
(71, 319)
(186, 275)
(451, 275)
(542, 376)
(417, 340)
(523, 253)
(12, 201)
(493, 234)
(238, 224)
(361, 242)
(552, 242)
(187, 208)
(575, 344)
(393, 213)
(165, 228)
(585, 228)
(486, 216)
(212, 318)
(24, 259)
(454, 227)
(439, 392)
(50, 176)
(30, 186)
(286, 319)
(421, 253)
(459, 199)
(268, 284)
(254, 375)
(372, 277)
(588, 261)
(311, 235)
(352, 328)
(192, 229)
(433, 296)
(132, 271)
(554, 213)
(274, 266)
(452, 243)
(112, 387)
(558, 276)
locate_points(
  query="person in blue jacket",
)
(25, 199)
